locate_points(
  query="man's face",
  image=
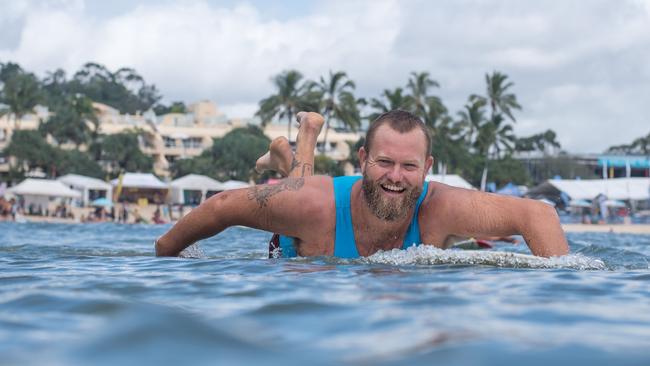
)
(394, 171)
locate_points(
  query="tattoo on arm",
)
(307, 169)
(262, 194)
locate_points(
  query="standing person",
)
(390, 207)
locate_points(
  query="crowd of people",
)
(10, 209)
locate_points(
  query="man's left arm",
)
(477, 214)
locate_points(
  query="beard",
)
(385, 208)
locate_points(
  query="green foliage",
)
(123, 89)
(508, 170)
(77, 162)
(293, 95)
(639, 146)
(121, 151)
(175, 107)
(231, 157)
(68, 122)
(20, 90)
(326, 166)
(30, 150)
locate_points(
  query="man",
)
(390, 207)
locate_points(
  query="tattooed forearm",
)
(262, 194)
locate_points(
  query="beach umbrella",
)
(102, 202)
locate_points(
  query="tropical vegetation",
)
(477, 141)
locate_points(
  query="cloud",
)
(577, 66)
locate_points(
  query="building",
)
(173, 136)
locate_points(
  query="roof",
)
(83, 181)
(586, 189)
(197, 182)
(449, 179)
(234, 184)
(140, 180)
(43, 187)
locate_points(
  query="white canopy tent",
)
(39, 192)
(137, 186)
(234, 184)
(140, 180)
(193, 189)
(626, 189)
(90, 188)
(449, 179)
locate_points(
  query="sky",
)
(579, 67)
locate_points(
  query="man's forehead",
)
(411, 144)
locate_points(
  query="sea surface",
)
(95, 294)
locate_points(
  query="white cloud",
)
(578, 67)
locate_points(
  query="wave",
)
(427, 254)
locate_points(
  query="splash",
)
(426, 254)
(193, 251)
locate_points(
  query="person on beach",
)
(390, 206)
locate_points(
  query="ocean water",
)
(95, 294)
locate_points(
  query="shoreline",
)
(607, 228)
(568, 228)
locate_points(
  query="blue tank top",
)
(344, 244)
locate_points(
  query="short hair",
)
(400, 121)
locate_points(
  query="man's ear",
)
(428, 164)
(363, 156)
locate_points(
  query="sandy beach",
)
(607, 228)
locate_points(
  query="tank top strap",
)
(413, 236)
(344, 244)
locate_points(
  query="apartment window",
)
(169, 142)
(192, 142)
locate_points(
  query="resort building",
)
(167, 138)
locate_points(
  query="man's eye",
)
(411, 166)
(383, 161)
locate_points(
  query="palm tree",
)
(338, 102)
(290, 97)
(20, 91)
(497, 94)
(390, 100)
(472, 117)
(419, 84)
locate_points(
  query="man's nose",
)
(395, 173)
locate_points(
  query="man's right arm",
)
(286, 208)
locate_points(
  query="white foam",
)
(427, 254)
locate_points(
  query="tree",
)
(292, 95)
(30, 150)
(539, 142)
(237, 151)
(327, 166)
(232, 156)
(338, 102)
(419, 85)
(497, 94)
(20, 91)
(77, 162)
(121, 151)
(388, 101)
(124, 89)
(70, 121)
(175, 107)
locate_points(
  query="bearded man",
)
(390, 206)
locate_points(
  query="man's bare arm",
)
(477, 214)
(286, 208)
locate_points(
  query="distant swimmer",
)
(389, 207)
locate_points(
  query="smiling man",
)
(390, 206)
